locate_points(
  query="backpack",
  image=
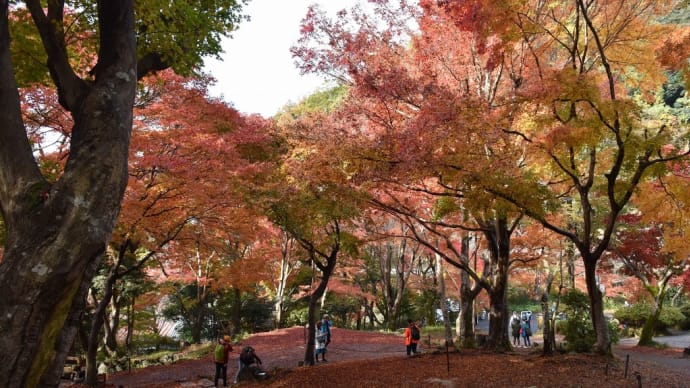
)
(247, 355)
(415, 333)
(219, 353)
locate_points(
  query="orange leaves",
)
(674, 51)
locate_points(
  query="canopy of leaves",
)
(176, 34)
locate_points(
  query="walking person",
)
(320, 344)
(515, 328)
(412, 336)
(526, 332)
(220, 357)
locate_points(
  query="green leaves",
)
(183, 32)
(176, 34)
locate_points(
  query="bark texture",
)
(57, 233)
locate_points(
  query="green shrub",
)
(633, 315)
(297, 317)
(670, 317)
(341, 308)
(578, 330)
(614, 303)
(685, 323)
(637, 314)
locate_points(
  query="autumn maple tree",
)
(308, 197)
(651, 245)
(430, 114)
(543, 110)
(57, 230)
(587, 71)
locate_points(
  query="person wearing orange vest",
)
(411, 337)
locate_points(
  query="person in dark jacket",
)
(247, 358)
(526, 332)
(515, 328)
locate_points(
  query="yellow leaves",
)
(666, 201)
(566, 137)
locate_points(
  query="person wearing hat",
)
(220, 357)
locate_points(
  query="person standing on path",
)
(320, 344)
(515, 328)
(412, 336)
(526, 332)
(326, 324)
(220, 357)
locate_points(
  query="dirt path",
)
(670, 358)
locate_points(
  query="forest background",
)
(474, 157)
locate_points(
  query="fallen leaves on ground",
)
(371, 359)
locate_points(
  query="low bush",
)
(635, 315)
(578, 329)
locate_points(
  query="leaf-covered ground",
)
(365, 359)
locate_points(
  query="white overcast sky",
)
(257, 74)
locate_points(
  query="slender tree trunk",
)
(112, 325)
(371, 315)
(96, 326)
(285, 270)
(403, 271)
(548, 332)
(443, 304)
(280, 291)
(130, 325)
(386, 270)
(326, 272)
(236, 313)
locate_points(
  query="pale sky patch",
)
(258, 74)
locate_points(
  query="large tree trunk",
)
(468, 293)
(647, 333)
(236, 312)
(499, 243)
(467, 296)
(658, 294)
(498, 324)
(56, 234)
(603, 343)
